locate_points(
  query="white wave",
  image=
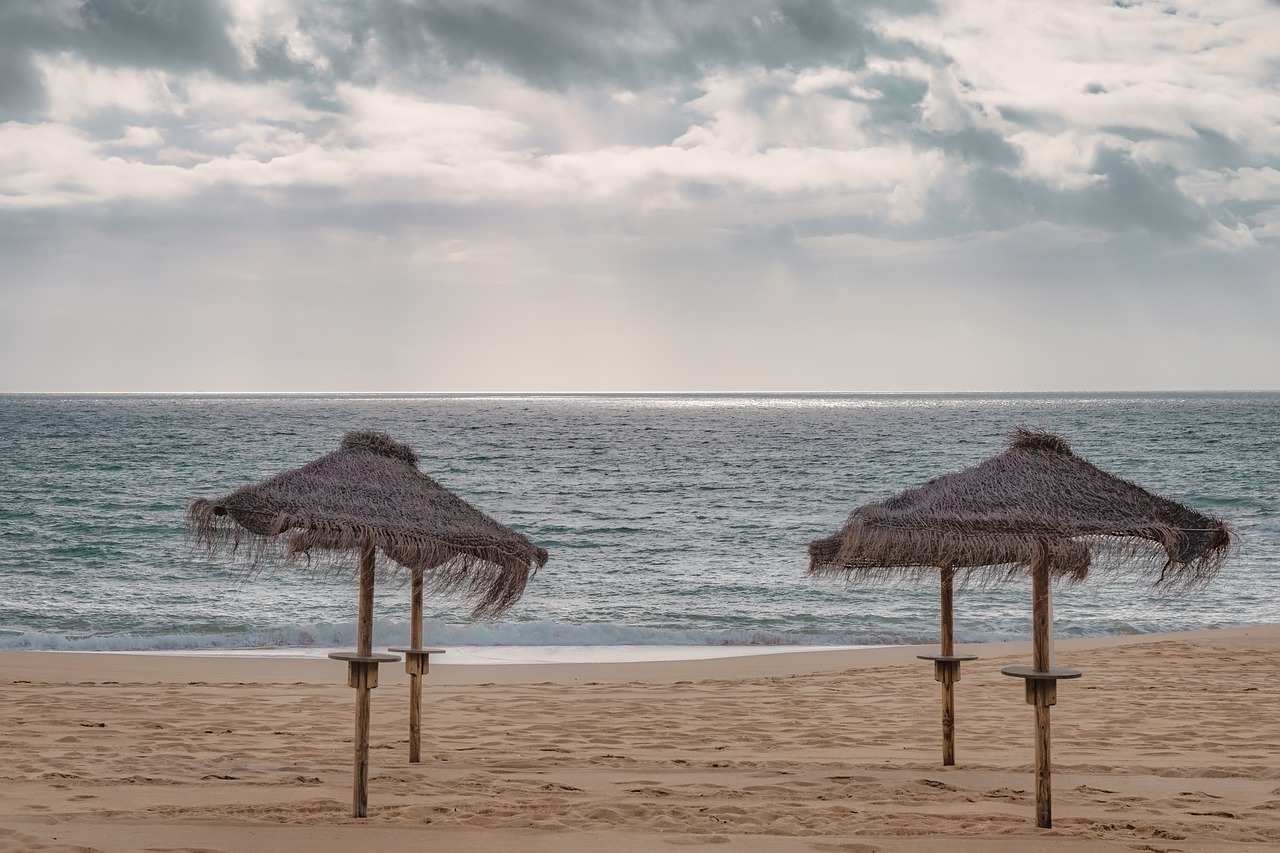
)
(546, 635)
(540, 633)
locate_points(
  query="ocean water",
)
(670, 520)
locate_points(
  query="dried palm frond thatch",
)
(370, 490)
(991, 519)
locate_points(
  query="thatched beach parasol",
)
(365, 496)
(1035, 506)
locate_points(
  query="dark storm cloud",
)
(1025, 118)
(21, 91)
(900, 101)
(24, 29)
(1209, 148)
(186, 35)
(271, 61)
(1127, 197)
(1218, 151)
(1133, 195)
(178, 36)
(975, 145)
(896, 113)
(561, 43)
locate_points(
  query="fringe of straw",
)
(863, 553)
(492, 578)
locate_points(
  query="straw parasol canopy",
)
(370, 492)
(992, 519)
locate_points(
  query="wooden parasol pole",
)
(946, 665)
(362, 674)
(1045, 690)
(415, 675)
(1041, 678)
(364, 648)
(417, 662)
(947, 674)
(1042, 641)
(948, 606)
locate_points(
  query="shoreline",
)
(472, 655)
(159, 667)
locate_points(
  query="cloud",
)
(635, 179)
(76, 90)
(897, 112)
(111, 34)
(566, 43)
(187, 36)
(140, 137)
(1130, 195)
(21, 92)
(1121, 195)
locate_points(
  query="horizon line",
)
(765, 393)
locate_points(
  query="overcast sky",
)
(591, 195)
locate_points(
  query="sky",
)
(594, 196)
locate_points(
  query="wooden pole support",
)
(1042, 692)
(1042, 660)
(360, 776)
(1042, 679)
(948, 672)
(946, 666)
(417, 662)
(1046, 696)
(947, 641)
(364, 629)
(362, 674)
(364, 646)
(415, 673)
(1042, 642)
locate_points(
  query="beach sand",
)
(1168, 743)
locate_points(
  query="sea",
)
(672, 521)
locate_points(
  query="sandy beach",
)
(1168, 743)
